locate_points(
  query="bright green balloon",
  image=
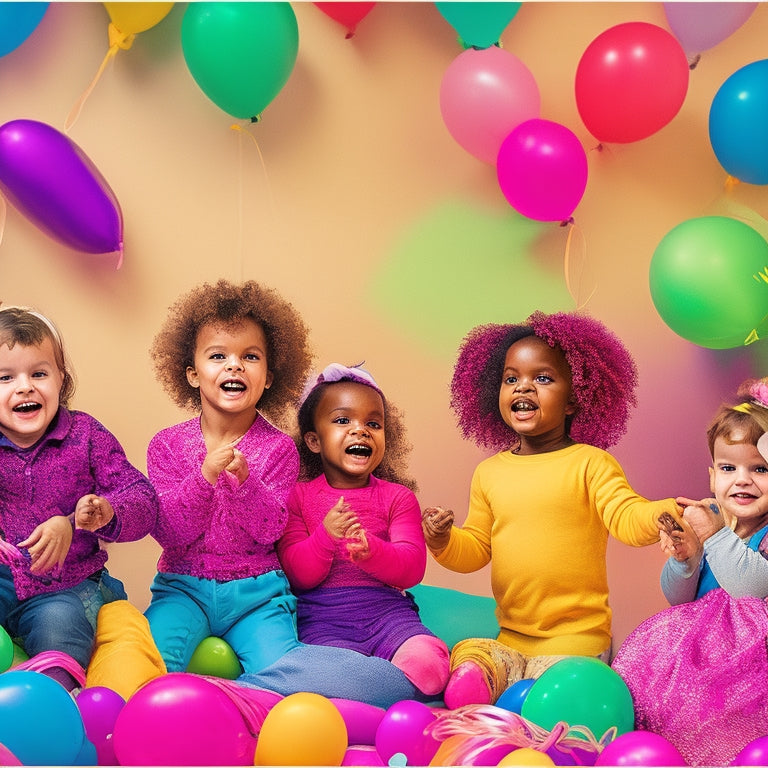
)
(705, 283)
(478, 23)
(580, 690)
(215, 656)
(240, 54)
(6, 650)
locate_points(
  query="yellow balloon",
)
(132, 18)
(526, 756)
(302, 729)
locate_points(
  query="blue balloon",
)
(512, 699)
(738, 123)
(39, 721)
(17, 22)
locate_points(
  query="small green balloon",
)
(6, 650)
(215, 656)
(705, 281)
(580, 690)
(240, 54)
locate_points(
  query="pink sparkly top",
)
(391, 517)
(225, 531)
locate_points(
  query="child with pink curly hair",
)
(549, 395)
(698, 670)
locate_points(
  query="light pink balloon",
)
(484, 94)
(699, 26)
(542, 170)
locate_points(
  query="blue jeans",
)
(58, 621)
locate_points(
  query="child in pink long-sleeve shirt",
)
(353, 542)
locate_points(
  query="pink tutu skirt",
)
(698, 674)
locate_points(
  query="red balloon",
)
(348, 14)
(631, 81)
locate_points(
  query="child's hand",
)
(218, 459)
(238, 467)
(357, 543)
(436, 523)
(681, 545)
(92, 512)
(49, 544)
(703, 516)
(339, 519)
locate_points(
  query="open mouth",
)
(27, 407)
(523, 405)
(233, 386)
(358, 449)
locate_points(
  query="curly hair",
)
(394, 465)
(288, 352)
(603, 378)
(25, 326)
(743, 421)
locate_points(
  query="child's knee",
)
(424, 659)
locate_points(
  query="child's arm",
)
(401, 561)
(307, 557)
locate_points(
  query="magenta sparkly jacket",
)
(75, 457)
(225, 531)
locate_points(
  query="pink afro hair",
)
(604, 378)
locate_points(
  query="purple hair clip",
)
(338, 372)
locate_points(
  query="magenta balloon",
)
(542, 170)
(7, 757)
(55, 185)
(99, 708)
(484, 94)
(182, 719)
(402, 730)
(641, 748)
(631, 81)
(700, 26)
(754, 753)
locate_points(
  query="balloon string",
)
(117, 41)
(568, 268)
(242, 130)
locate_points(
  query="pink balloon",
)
(484, 94)
(182, 719)
(47, 177)
(631, 81)
(402, 730)
(700, 26)
(7, 757)
(754, 753)
(640, 748)
(99, 708)
(542, 170)
(367, 756)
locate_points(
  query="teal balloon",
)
(580, 690)
(17, 22)
(240, 54)
(478, 24)
(706, 284)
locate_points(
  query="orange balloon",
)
(526, 756)
(302, 729)
(445, 751)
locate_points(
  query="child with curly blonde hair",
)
(549, 395)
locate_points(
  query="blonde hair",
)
(25, 326)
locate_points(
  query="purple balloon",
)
(640, 748)
(699, 26)
(49, 179)
(99, 708)
(755, 753)
(402, 730)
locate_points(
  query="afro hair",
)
(603, 376)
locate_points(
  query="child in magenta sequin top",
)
(66, 487)
(353, 543)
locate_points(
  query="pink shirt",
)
(225, 531)
(391, 517)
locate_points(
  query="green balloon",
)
(478, 23)
(6, 650)
(580, 690)
(705, 281)
(240, 54)
(215, 656)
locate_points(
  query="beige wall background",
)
(390, 238)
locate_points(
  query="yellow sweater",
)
(543, 521)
